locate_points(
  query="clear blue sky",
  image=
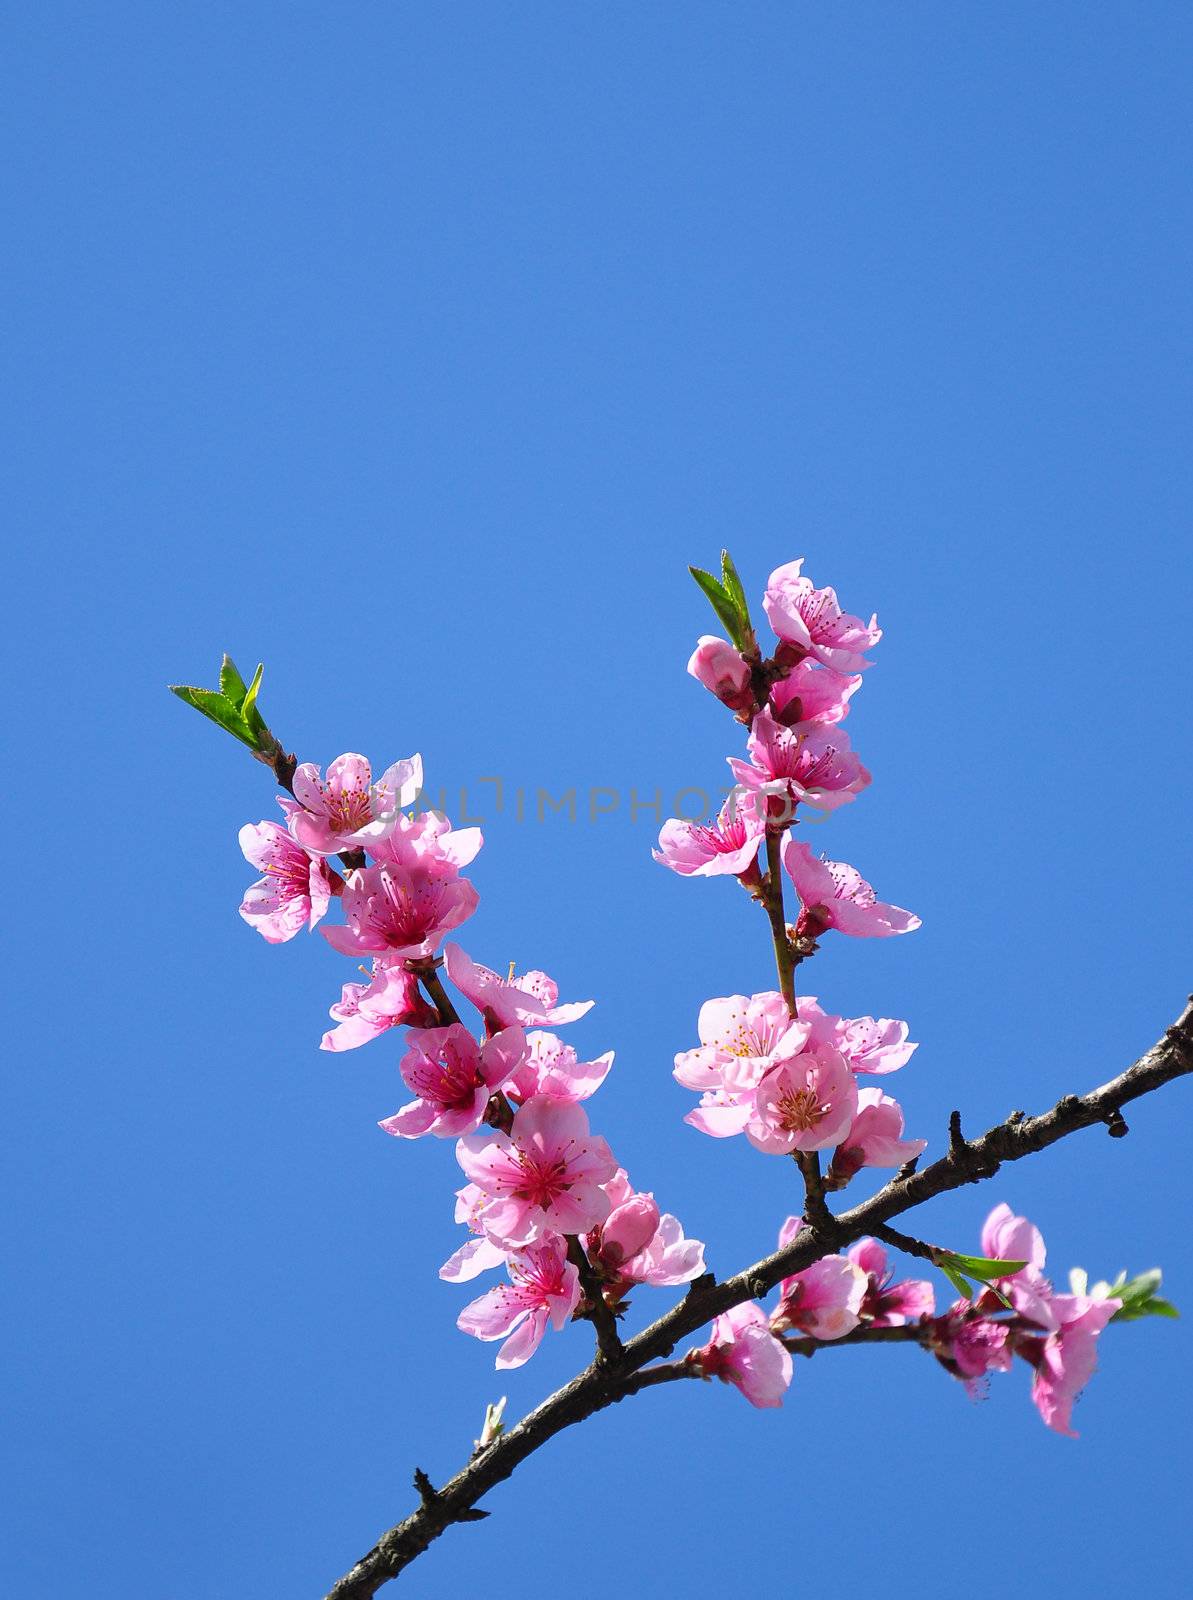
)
(416, 349)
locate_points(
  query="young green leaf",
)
(232, 685)
(963, 1288)
(982, 1266)
(249, 708)
(1138, 1296)
(735, 624)
(732, 584)
(219, 709)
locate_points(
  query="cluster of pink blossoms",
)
(1018, 1315)
(789, 1077)
(544, 1197)
(793, 1077)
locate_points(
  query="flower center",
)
(543, 1180)
(350, 809)
(799, 1110)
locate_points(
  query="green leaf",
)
(249, 709)
(983, 1266)
(735, 624)
(732, 584)
(963, 1288)
(1138, 1296)
(219, 709)
(231, 683)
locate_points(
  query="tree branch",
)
(600, 1385)
(772, 900)
(609, 1346)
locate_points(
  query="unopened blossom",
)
(626, 1251)
(480, 1253)
(553, 1068)
(812, 765)
(294, 892)
(835, 895)
(825, 1299)
(1006, 1237)
(723, 671)
(544, 1288)
(427, 842)
(346, 810)
(627, 1229)
(875, 1138)
(545, 1175)
(741, 1039)
(888, 1304)
(805, 1103)
(810, 693)
(531, 1000)
(367, 1010)
(724, 847)
(810, 620)
(1068, 1357)
(402, 912)
(744, 1352)
(452, 1078)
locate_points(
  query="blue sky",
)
(416, 350)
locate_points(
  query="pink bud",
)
(720, 668)
(628, 1229)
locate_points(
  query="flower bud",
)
(720, 668)
(628, 1229)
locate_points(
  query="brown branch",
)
(772, 900)
(609, 1346)
(600, 1386)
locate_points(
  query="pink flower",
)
(812, 694)
(825, 1300)
(835, 895)
(812, 622)
(811, 764)
(551, 1067)
(627, 1251)
(530, 1000)
(295, 891)
(741, 1039)
(888, 1304)
(404, 913)
(1006, 1237)
(478, 1254)
(347, 810)
(874, 1045)
(1068, 1358)
(453, 1078)
(742, 1036)
(970, 1347)
(428, 843)
(666, 1259)
(365, 1011)
(544, 1287)
(720, 668)
(806, 1103)
(728, 845)
(626, 1231)
(743, 1351)
(544, 1175)
(875, 1138)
